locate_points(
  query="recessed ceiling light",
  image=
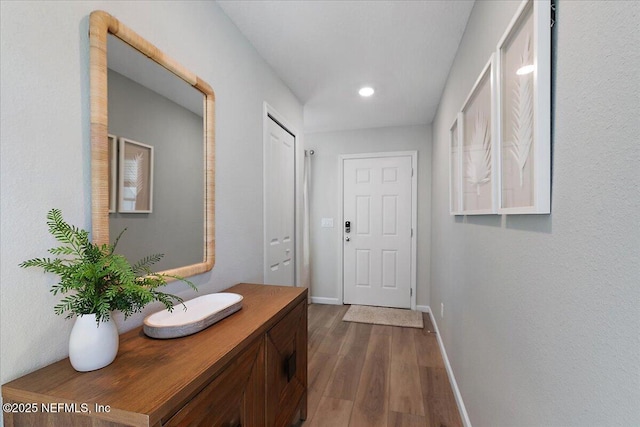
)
(366, 91)
(525, 69)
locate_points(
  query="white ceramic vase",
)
(92, 346)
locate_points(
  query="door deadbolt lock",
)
(347, 226)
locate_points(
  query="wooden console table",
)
(249, 369)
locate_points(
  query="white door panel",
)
(279, 206)
(377, 251)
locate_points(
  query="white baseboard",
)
(423, 308)
(323, 300)
(452, 378)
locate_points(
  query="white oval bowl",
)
(201, 313)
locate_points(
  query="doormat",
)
(384, 316)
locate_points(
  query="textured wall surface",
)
(45, 157)
(541, 314)
(325, 202)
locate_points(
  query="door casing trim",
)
(414, 215)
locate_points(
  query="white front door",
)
(279, 205)
(376, 242)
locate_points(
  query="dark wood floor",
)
(372, 375)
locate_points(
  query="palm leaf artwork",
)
(134, 174)
(140, 181)
(479, 156)
(522, 119)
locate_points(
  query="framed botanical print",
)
(477, 146)
(135, 189)
(523, 63)
(455, 168)
(113, 171)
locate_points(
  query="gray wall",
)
(541, 320)
(45, 150)
(174, 228)
(326, 276)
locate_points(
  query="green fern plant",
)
(96, 279)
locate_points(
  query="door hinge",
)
(412, 232)
(411, 171)
(411, 293)
(552, 6)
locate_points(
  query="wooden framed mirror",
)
(103, 30)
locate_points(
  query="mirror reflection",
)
(156, 123)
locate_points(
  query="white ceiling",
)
(325, 51)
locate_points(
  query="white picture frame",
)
(455, 168)
(113, 172)
(523, 66)
(477, 122)
(135, 177)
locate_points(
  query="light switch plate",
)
(327, 223)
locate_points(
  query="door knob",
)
(347, 239)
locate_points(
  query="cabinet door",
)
(286, 346)
(234, 398)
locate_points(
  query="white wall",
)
(326, 276)
(45, 151)
(541, 320)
